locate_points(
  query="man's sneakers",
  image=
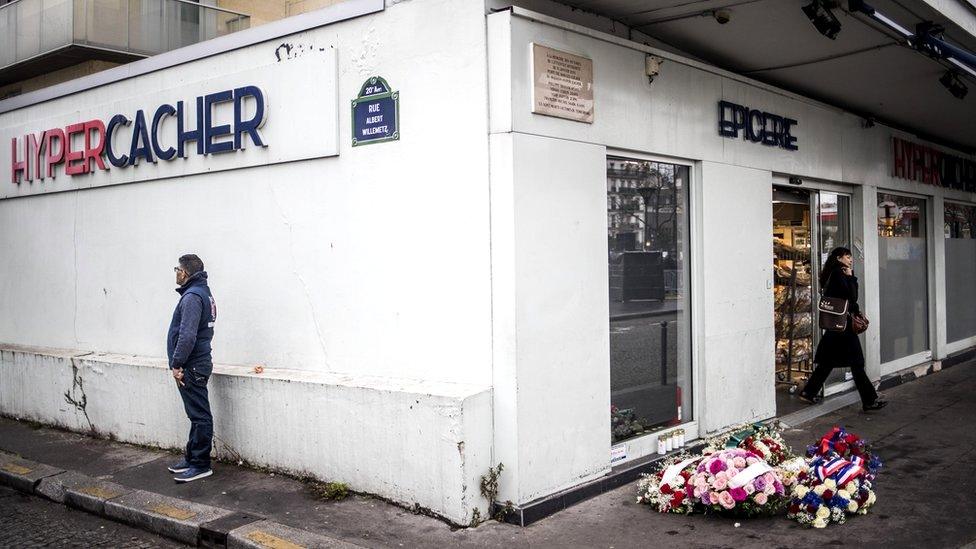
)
(188, 473)
(193, 473)
(179, 467)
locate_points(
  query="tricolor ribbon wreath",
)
(827, 442)
(838, 468)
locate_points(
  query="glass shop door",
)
(832, 226)
(793, 258)
(807, 225)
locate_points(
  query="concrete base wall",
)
(410, 441)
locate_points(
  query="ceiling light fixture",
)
(820, 15)
(952, 83)
(927, 38)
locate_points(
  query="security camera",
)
(722, 16)
(652, 67)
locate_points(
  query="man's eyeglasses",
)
(178, 269)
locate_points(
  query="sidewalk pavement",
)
(926, 491)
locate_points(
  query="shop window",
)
(647, 232)
(960, 264)
(903, 276)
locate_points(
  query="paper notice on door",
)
(618, 453)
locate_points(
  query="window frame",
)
(924, 356)
(645, 445)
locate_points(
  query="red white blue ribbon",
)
(826, 443)
(840, 469)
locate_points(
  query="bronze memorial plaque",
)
(562, 84)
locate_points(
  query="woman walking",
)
(841, 349)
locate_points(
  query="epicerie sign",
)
(83, 147)
(236, 110)
(757, 126)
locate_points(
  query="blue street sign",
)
(375, 113)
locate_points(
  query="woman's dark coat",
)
(841, 349)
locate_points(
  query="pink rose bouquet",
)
(736, 482)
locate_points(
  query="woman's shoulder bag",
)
(833, 311)
(859, 323)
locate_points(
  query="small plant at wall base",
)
(504, 510)
(489, 482)
(475, 518)
(489, 489)
(332, 491)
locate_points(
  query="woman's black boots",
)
(876, 405)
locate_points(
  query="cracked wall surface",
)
(76, 395)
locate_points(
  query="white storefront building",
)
(435, 304)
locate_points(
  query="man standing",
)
(188, 347)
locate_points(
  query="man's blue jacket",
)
(192, 327)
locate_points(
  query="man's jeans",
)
(197, 405)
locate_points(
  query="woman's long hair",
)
(833, 263)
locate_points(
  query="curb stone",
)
(272, 535)
(171, 517)
(23, 474)
(175, 518)
(81, 491)
(54, 488)
(214, 534)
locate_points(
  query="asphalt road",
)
(29, 521)
(636, 366)
(635, 352)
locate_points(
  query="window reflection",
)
(900, 216)
(960, 220)
(960, 264)
(647, 233)
(903, 276)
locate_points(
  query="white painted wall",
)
(737, 369)
(552, 339)
(414, 442)
(375, 262)
(865, 213)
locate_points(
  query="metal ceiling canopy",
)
(867, 69)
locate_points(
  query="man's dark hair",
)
(191, 264)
